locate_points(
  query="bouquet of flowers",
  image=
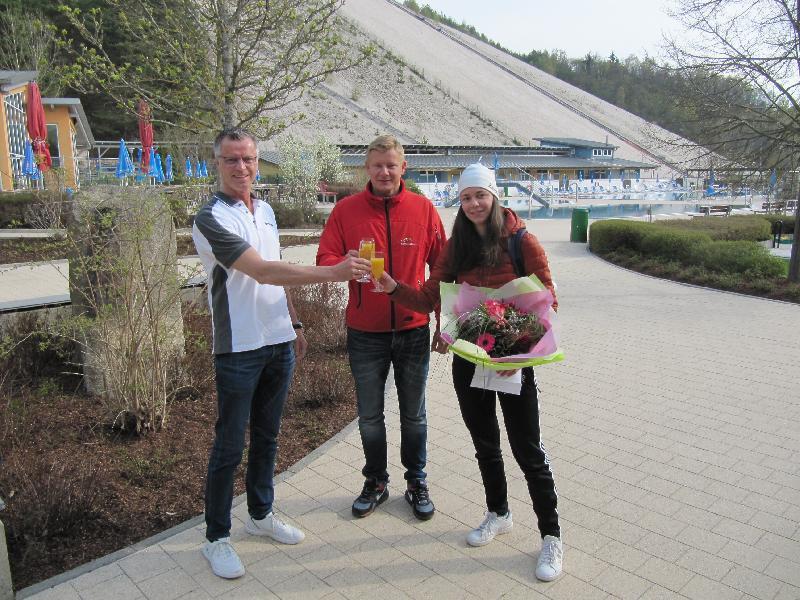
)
(506, 328)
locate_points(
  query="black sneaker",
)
(374, 493)
(417, 496)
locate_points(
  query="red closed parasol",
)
(37, 127)
(145, 132)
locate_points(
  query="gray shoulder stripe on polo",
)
(226, 246)
(220, 311)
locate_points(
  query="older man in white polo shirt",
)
(257, 336)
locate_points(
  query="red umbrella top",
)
(145, 132)
(37, 127)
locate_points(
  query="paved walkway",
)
(674, 431)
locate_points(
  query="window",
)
(17, 134)
(427, 177)
(52, 144)
(74, 146)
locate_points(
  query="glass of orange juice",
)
(377, 270)
(366, 249)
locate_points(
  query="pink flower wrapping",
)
(526, 295)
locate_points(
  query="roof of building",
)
(12, 79)
(460, 149)
(75, 111)
(444, 162)
(575, 143)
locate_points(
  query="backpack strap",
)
(515, 251)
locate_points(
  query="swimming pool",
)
(603, 211)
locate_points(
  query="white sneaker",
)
(223, 559)
(548, 567)
(272, 526)
(492, 525)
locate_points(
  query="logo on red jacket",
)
(407, 241)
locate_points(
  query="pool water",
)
(604, 211)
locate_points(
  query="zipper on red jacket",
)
(389, 269)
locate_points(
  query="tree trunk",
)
(230, 118)
(794, 261)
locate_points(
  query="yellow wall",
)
(59, 116)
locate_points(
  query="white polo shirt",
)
(245, 314)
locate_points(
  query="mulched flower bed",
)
(76, 489)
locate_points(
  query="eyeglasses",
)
(232, 161)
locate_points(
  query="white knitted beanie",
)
(476, 175)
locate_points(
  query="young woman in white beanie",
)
(477, 253)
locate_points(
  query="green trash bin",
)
(580, 225)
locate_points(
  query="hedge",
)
(788, 222)
(690, 248)
(735, 227)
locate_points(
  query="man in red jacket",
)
(380, 334)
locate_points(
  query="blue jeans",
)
(251, 386)
(370, 355)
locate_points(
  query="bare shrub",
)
(185, 200)
(32, 346)
(125, 291)
(321, 380)
(48, 500)
(323, 376)
(49, 211)
(321, 308)
(197, 364)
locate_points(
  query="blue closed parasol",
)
(125, 166)
(29, 167)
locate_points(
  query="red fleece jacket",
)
(407, 228)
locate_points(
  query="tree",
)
(207, 64)
(28, 43)
(740, 68)
(304, 166)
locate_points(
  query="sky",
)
(576, 26)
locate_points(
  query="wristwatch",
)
(297, 325)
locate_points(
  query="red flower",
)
(496, 310)
(485, 341)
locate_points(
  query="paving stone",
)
(302, 586)
(146, 563)
(784, 570)
(65, 591)
(119, 588)
(704, 563)
(620, 583)
(702, 588)
(168, 585)
(751, 582)
(572, 588)
(665, 574)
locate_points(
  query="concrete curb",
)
(6, 587)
